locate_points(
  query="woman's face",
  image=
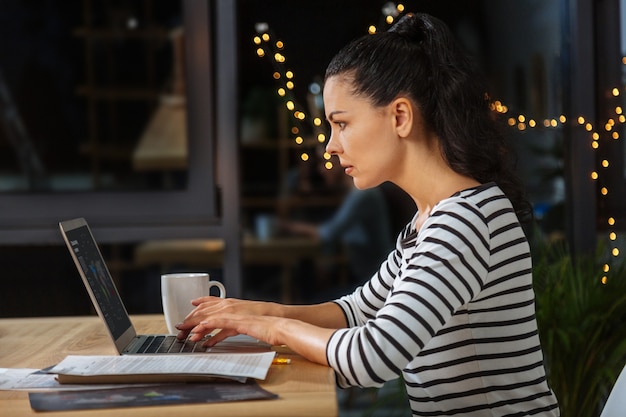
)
(362, 136)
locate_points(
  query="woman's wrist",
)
(274, 309)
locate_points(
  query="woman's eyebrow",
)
(333, 113)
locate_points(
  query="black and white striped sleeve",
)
(430, 276)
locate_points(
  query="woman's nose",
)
(332, 147)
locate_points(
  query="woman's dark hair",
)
(419, 58)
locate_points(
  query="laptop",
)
(108, 303)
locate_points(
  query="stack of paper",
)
(163, 368)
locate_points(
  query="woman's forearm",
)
(326, 315)
(305, 339)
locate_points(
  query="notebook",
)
(108, 303)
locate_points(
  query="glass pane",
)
(92, 96)
(518, 44)
(522, 44)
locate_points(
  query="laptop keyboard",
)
(170, 344)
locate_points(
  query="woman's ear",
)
(403, 112)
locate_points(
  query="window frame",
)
(32, 218)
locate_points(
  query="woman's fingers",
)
(208, 298)
(232, 315)
(218, 337)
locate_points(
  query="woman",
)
(452, 307)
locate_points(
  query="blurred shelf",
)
(118, 93)
(122, 33)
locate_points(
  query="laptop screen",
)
(111, 308)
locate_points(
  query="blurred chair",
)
(616, 404)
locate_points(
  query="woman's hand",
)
(264, 328)
(298, 327)
(209, 307)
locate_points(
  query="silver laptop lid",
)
(98, 281)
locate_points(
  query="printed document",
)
(235, 365)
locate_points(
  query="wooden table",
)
(304, 388)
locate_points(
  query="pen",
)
(281, 361)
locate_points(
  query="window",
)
(74, 117)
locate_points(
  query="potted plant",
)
(582, 326)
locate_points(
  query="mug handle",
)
(220, 286)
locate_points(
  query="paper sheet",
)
(26, 379)
(246, 365)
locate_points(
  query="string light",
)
(268, 45)
(275, 48)
(521, 122)
(390, 12)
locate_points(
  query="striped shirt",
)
(452, 310)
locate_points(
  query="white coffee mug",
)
(177, 291)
